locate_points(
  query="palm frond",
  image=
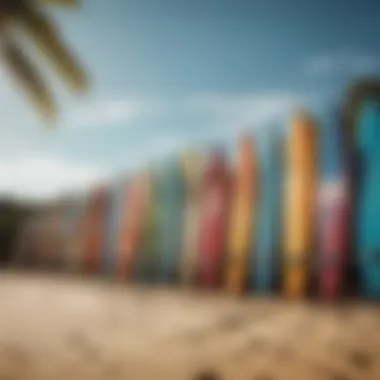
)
(47, 38)
(28, 77)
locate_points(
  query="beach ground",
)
(69, 327)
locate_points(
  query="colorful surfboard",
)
(77, 244)
(333, 209)
(242, 216)
(192, 172)
(112, 225)
(170, 200)
(73, 220)
(26, 252)
(147, 261)
(299, 206)
(54, 233)
(133, 217)
(367, 133)
(215, 204)
(94, 230)
(268, 233)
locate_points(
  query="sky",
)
(169, 74)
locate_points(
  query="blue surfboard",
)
(266, 247)
(368, 212)
(114, 213)
(171, 205)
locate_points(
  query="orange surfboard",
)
(242, 217)
(300, 198)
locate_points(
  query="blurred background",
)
(95, 94)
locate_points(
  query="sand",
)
(66, 327)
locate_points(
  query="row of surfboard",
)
(285, 213)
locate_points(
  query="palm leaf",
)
(47, 38)
(28, 77)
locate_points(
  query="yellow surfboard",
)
(242, 217)
(299, 212)
(192, 169)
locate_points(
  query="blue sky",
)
(167, 74)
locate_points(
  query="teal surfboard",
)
(266, 248)
(113, 222)
(367, 134)
(170, 191)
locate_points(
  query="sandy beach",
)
(68, 327)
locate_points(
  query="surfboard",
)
(266, 250)
(170, 202)
(215, 204)
(333, 208)
(94, 230)
(192, 173)
(367, 138)
(299, 204)
(133, 217)
(69, 221)
(112, 226)
(242, 216)
(146, 268)
(75, 232)
(54, 233)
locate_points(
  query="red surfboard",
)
(334, 209)
(215, 202)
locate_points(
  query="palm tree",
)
(29, 18)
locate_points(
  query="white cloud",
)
(40, 177)
(343, 62)
(108, 112)
(251, 110)
(89, 112)
(164, 145)
(153, 152)
(12, 144)
(26, 171)
(104, 113)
